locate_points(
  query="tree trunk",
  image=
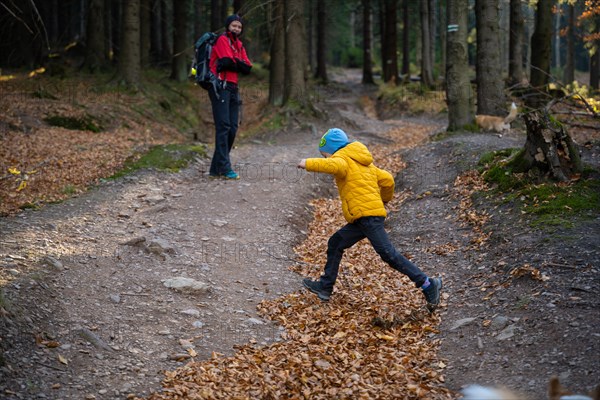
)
(179, 65)
(569, 73)
(224, 10)
(238, 5)
(406, 39)
(515, 51)
(556, 63)
(367, 77)
(541, 43)
(595, 70)
(53, 28)
(432, 35)
(458, 87)
(166, 25)
(442, 27)
(382, 36)
(198, 27)
(95, 57)
(129, 59)
(116, 27)
(548, 149)
(145, 31)
(490, 95)
(215, 15)
(277, 66)
(321, 72)
(295, 52)
(155, 32)
(390, 62)
(426, 62)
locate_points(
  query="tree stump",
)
(549, 149)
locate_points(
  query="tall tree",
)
(295, 52)
(426, 62)
(406, 38)
(589, 20)
(490, 95)
(367, 77)
(129, 59)
(95, 57)
(145, 31)
(109, 43)
(179, 65)
(458, 87)
(116, 26)
(155, 32)
(541, 43)
(321, 72)
(277, 52)
(390, 60)
(515, 45)
(197, 26)
(569, 71)
(166, 25)
(238, 6)
(215, 15)
(442, 29)
(595, 70)
(224, 9)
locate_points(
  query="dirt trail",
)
(88, 274)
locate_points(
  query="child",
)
(364, 189)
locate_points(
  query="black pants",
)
(225, 113)
(371, 228)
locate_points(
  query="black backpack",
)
(200, 64)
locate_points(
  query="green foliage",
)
(413, 98)
(352, 57)
(171, 158)
(547, 203)
(69, 189)
(85, 123)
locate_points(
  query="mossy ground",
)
(548, 203)
(171, 158)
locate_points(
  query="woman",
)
(228, 58)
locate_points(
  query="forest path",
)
(89, 314)
(91, 271)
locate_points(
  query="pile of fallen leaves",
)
(40, 163)
(465, 185)
(331, 350)
(373, 339)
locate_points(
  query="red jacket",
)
(229, 57)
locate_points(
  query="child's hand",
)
(302, 164)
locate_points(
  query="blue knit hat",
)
(333, 140)
(230, 19)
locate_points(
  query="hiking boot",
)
(315, 287)
(231, 175)
(432, 293)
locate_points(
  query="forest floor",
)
(86, 311)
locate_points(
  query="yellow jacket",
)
(362, 186)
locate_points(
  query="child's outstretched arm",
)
(335, 165)
(385, 180)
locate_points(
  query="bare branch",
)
(16, 17)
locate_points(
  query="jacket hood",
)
(358, 152)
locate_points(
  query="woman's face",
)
(235, 27)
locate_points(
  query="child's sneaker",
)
(315, 287)
(231, 174)
(432, 293)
